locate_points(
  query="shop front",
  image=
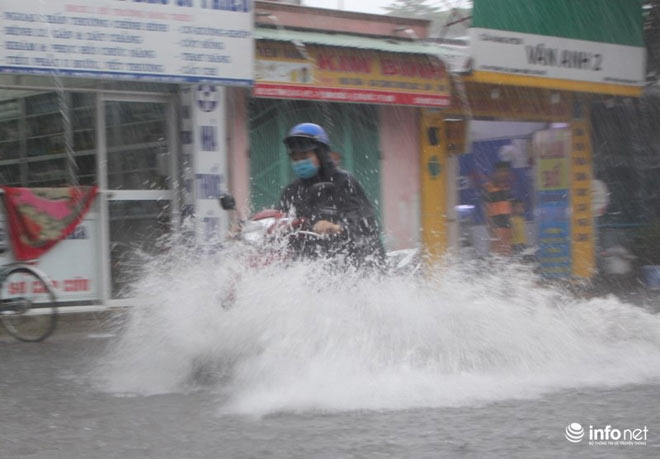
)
(367, 93)
(127, 98)
(527, 103)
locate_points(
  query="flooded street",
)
(305, 362)
(50, 410)
(378, 229)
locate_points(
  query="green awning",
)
(455, 57)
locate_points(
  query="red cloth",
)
(39, 218)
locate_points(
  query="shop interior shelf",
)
(60, 155)
(56, 112)
(8, 162)
(149, 216)
(56, 134)
(133, 147)
(134, 123)
(34, 128)
(41, 136)
(132, 171)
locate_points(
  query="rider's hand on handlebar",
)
(326, 227)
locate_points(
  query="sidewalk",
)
(85, 319)
(629, 290)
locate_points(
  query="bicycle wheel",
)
(27, 304)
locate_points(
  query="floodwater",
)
(297, 361)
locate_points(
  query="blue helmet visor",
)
(300, 144)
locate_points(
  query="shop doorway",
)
(137, 138)
(494, 143)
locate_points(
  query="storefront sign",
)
(72, 280)
(556, 57)
(552, 153)
(285, 71)
(165, 40)
(596, 41)
(508, 102)
(204, 159)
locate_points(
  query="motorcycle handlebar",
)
(308, 233)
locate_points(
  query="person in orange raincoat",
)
(497, 197)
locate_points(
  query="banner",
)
(165, 40)
(209, 160)
(311, 72)
(38, 218)
(552, 149)
(582, 201)
(203, 159)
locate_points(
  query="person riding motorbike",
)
(329, 199)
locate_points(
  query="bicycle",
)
(27, 302)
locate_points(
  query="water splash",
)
(302, 337)
(63, 108)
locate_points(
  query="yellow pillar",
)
(582, 220)
(433, 183)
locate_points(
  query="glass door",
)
(140, 176)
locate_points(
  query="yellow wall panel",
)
(433, 183)
(582, 220)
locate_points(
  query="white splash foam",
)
(299, 338)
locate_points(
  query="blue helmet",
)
(306, 131)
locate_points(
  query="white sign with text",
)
(72, 264)
(158, 40)
(209, 159)
(556, 57)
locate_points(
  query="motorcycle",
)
(269, 237)
(294, 237)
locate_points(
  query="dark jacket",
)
(345, 203)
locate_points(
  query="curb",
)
(85, 319)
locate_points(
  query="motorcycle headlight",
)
(255, 230)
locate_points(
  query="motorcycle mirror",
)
(227, 202)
